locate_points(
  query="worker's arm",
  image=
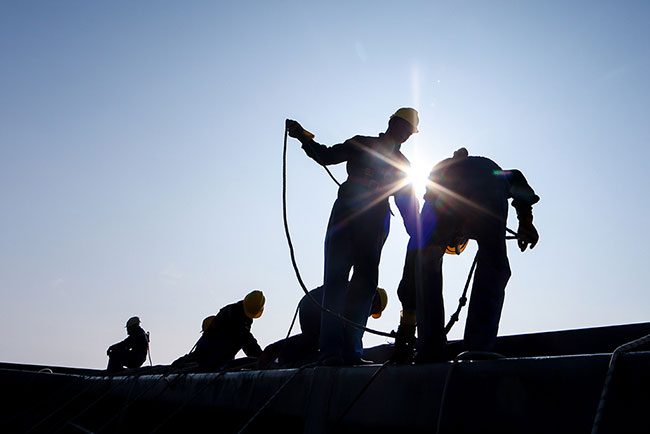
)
(523, 200)
(322, 154)
(405, 198)
(409, 208)
(250, 346)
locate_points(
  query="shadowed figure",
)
(466, 198)
(132, 351)
(302, 348)
(226, 333)
(358, 226)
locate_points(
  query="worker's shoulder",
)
(361, 140)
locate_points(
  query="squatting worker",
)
(466, 198)
(132, 351)
(358, 226)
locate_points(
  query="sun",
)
(418, 175)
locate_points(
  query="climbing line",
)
(277, 392)
(68, 402)
(610, 374)
(462, 301)
(443, 396)
(205, 386)
(293, 255)
(179, 373)
(362, 391)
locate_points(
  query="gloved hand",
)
(404, 344)
(296, 131)
(526, 233)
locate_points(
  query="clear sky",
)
(141, 156)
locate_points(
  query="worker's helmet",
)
(133, 321)
(207, 322)
(254, 304)
(409, 115)
(379, 303)
(457, 248)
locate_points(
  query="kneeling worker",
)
(303, 348)
(132, 351)
(230, 331)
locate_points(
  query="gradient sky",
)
(141, 156)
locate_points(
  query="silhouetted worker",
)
(230, 331)
(358, 226)
(132, 351)
(303, 348)
(466, 198)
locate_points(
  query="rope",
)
(361, 392)
(277, 392)
(208, 383)
(462, 301)
(443, 397)
(293, 255)
(610, 374)
(69, 401)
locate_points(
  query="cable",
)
(293, 255)
(462, 301)
(610, 374)
(362, 391)
(277, 392)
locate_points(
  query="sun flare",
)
(418, 175)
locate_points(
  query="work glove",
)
(526, 233)
(296, 131)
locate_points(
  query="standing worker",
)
(132, 351)
(466, 198)
(358, 226)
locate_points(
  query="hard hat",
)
(133, 321)
(409, 115)
(383, 301)
(207, 322)
(457, 249)
(254, 304)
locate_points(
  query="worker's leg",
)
(117, 360)
(427, 278)
(430, 307)
(338, 262)
(369, 236)
(488, 291)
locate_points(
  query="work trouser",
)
(421, 285)
(354, 240)
(123, 357)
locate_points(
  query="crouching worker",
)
(229, 331)
(132, 351)
(303, 348)
(466, 198)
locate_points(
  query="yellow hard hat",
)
(383, 301)
(409, 115)
(254, 304)
(207, 322)
(133, 321)
(457, 249)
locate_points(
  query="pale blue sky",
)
(141, 145)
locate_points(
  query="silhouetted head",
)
(254, 304)
(402, 124)
(379, 302)
(132, 324)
